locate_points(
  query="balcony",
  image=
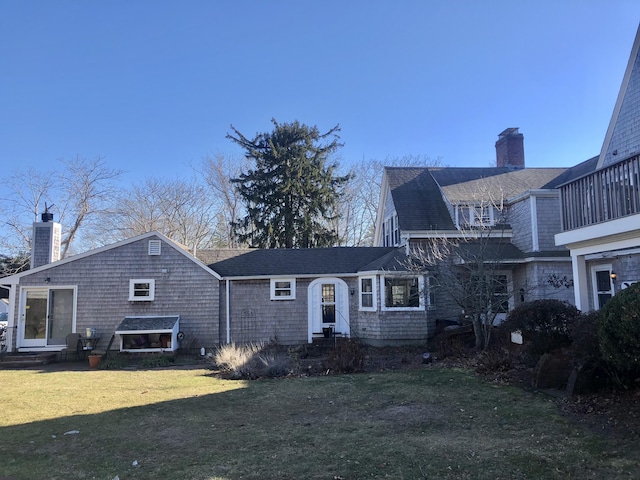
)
(607, 194)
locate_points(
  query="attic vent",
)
(155, 247)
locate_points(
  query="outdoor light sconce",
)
(613, 276)
(47, 280)
(353, 291)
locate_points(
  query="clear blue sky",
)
(153, 85)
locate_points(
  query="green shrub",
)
(153, 361)
(544, 324)
(253, 360)
(114, 362)
(347, 357)
(619, 330)
(592, 371)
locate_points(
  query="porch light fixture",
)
(613, 276)
(353, 291)
(47, 280)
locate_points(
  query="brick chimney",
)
(510, 149)
(46, 241)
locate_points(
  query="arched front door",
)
(328, 307)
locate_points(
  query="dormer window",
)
(481, 215)
(474, 216)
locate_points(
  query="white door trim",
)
(314, 310)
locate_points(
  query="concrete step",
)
(26, 360)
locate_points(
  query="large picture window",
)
(403, 292)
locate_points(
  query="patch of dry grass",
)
(187, 424)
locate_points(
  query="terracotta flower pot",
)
(94, 361)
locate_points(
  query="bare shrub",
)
(347, 357)
(252, 360)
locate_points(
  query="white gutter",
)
(228, 309)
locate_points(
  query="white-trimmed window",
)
(482, 215)
(368, 298)
(141, 290)
(283, 289)
(391, 231)
(402, 292)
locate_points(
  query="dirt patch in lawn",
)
(613, 413)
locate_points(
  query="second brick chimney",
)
(510, 149)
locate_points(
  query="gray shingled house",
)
(154, 296)
(514, 210)
(601, 207)
(149, 281)
(292, 296)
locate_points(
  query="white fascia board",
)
(536, 192)
(293, 275)
(384, 190)
(419, 234)
(600, 233)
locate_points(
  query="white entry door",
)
(328, 307)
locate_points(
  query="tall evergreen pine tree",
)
(291, 195)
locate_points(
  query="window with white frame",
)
(141, 290)
(474, 215)
(391, 232)
(368, 298)
(283, 288)
(402, 292)
(481, 215)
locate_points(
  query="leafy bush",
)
(254, 360)
(114, 362)
(347, 357)
(153, 361)
(544, 324)
(619, 330)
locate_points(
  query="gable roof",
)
(623, 136)
(300, 262)
(15, 279)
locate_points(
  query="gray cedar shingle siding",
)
(102, 279)
(625, 138)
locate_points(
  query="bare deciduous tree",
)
(179, 209)
(468, 268)
(359, 206)
(78, 193)
(87, 189)
(217, 171)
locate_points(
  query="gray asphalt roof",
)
(417, 199)
(417, 192)
(303, 261)
(147, 323)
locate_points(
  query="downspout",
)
(228, 309)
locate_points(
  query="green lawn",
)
(431, 423)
